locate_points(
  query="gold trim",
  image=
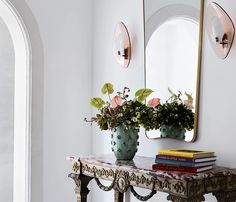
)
(144, 46)
(198, 83)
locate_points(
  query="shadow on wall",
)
(37, 98)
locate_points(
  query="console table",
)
(181, 187)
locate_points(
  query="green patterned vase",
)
(124, 143)
(170, 131)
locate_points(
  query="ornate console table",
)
(181, 187)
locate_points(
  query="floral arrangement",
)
(174, 112)
(120, 110)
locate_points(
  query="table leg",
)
(181, 199)
(81, 189)
(119, 197)
(225, 196)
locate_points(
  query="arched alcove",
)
(22, 101)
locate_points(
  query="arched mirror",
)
(173, 37)
(14, 106)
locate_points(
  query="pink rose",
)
(116, 101)
(153, 102)
(189, 103)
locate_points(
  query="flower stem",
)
(109, 96)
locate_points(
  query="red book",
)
(181, 168)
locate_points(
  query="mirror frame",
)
(199, 62)
(22, 101)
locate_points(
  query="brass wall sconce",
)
(121, 45)
(220, 30)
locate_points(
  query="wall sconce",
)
(121, 44)
(220, 30)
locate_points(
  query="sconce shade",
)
(220, 30)
(217, 29)
(121, 45)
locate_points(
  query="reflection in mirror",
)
(172, 50)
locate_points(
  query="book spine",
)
(174, 162)
(174, 168)
(175, 158)
(177, 154)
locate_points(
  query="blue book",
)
(181, 163)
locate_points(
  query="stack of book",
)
(183, 160)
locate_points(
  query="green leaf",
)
(143, 93)
(107, 88)
(97, 102)
(174, 97)
(171, 92)
(189, 96)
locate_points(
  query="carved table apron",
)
(181, 187)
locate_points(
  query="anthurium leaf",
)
(173, 95)
(97, 102)
(189, 96)
(171, 92)
(107, 88)
(143, 93)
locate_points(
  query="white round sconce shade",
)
(220, 30)
(121, 45)
(217, 29)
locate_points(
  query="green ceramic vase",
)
(170, 131)
(124, 143)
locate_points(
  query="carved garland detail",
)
(75, 166)
(144, 198)
(123, 178)
(105, 188)
(179, 187)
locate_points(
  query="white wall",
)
(218, 98)
(60, 33)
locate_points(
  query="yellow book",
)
(186, 153)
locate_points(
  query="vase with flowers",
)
(175, 116)
(123, 117)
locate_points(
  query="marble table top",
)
(143, 165)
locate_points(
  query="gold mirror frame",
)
(196, 114)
